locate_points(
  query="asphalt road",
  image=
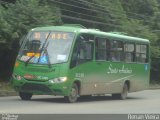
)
(147, 101)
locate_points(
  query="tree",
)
(26, 14)
(15, 21)
(139, 18)
(5, 27)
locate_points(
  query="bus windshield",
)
(46, 47)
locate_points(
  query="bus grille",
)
(36, 87)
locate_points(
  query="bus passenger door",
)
(82, 65)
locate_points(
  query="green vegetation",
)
(5, 86)
(139, 18)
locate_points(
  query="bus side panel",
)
(109, 77)
(141, 79)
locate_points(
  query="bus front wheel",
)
(73, 94)
(25, 96)
(123, 94)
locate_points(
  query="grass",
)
(154, 85)
(6, 89)
(5, 86)
(155, 82)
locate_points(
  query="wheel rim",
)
(73, 94)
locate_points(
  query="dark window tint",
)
(83, 50)
(102, 49)
(129, 50)
(141, 53)
(116, 53)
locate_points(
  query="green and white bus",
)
(74, 61)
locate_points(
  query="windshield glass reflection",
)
(46, 47)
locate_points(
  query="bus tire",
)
(73, 97)
(25, 96)
(123, 94)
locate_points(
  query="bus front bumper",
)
(38, 87)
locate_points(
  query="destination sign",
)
(54, 35)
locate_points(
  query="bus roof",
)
(81, 29)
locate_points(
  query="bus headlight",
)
(58, 80)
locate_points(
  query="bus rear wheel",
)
(25, 96)
(123, 94)
(73, 94)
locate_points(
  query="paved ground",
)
(11, 92)
(147, 101)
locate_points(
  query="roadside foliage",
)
(139, 18)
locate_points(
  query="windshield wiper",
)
(26, 63)
(44, 50)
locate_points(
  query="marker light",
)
(30, 54)
(16, 64)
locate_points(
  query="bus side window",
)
(83, 50)
(129, 50)
(102, 49)
(141, 53)
(74, 56)
(116, 51)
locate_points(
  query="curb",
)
(156, 86)
(4, 93)
(152, 88)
